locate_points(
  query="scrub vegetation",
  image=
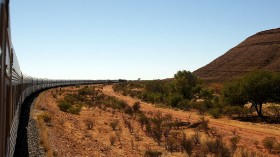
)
(170, 135)
(242, 98)
(102, 122)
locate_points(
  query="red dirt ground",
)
(69, 135)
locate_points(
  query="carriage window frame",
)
(8, 59)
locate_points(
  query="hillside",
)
(260, 51)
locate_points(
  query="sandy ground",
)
(249, 132)
(70, 136)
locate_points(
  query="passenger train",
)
(15, 86)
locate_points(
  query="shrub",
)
(121, 105)
(177, 123)
(136, 106)
(184, 105)
(174, 141)
(174, 99)
(269, 143)
(187, 145)
(200, 106)
(196, 138)
(157, 134)
(152, 153)
(46, 117)
(89, 123)
(149, 129)
(71, 98)
(114, 124)
(233, 143)
(129, 125)
(244, 152)
(275, 110)
(54, 95)
(112, 140)
(203, 124)
(75, 109)
(85, 91)
(278, 147)
(143, 120)
(216, 113)
(218, 147)
(128, 110)
(256, 143)
(63, 105)
(233, 111)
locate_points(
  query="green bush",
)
(75, 109)
(64, 106)
(68, 107)
(215, 112)
(174, 99)
(184, 105)
(200, 106)
(258, 87)
(232, 111)
(85, 91)
(71, 98)
(120, 105)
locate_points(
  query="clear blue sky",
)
(130, 39)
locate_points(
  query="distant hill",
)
(260, 51)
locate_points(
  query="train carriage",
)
(16, 87)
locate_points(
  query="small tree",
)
(257, 87)
(233, 94)
(185, 82)
(269, 143)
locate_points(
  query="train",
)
(15, 87)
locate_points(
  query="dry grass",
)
(43, 118)
(114, 133)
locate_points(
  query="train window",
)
(8, 61)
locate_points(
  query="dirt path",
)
(249, 132)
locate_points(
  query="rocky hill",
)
(260, 51)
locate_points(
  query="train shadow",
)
(21, 149)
